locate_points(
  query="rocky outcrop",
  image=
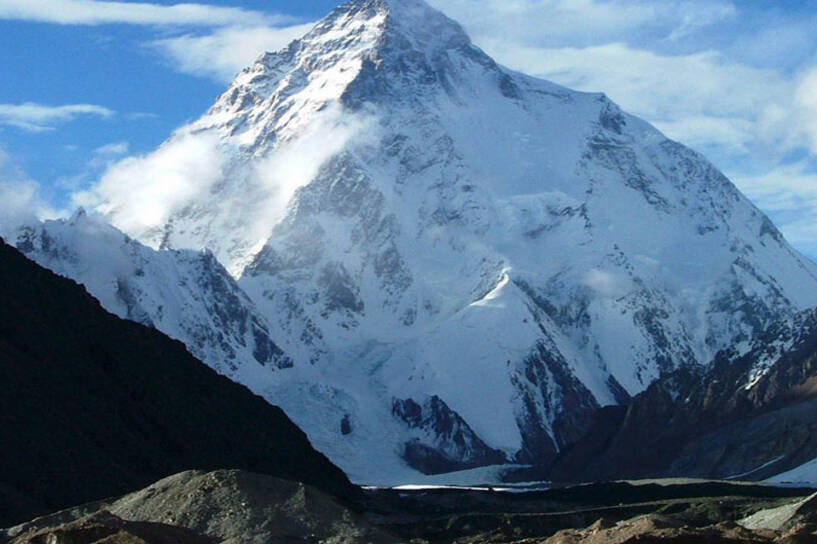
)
(105, 527)
(225, 506)
(443, 441)
(662, 529)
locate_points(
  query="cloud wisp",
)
(97, 12)
(195, 172)
(21, 199)
(113, 149)
(231, 39)
(142, 192)
(226, 51)
(40, 118)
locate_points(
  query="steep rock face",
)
(444, 442)
(413, 220)
(749, 415)
(93, 405)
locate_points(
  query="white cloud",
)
(115, 148)
(787, 188)
(94, 12)
(226, 51)
(789, 194)
(605, 284)
(700, 16)
(38, 118)
(297, 162)
(142, 192)
(21, 199)
(806, 102)
(581, 22)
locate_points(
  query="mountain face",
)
(752, 414)
(458, 263)
(94, 406)
(186, 294)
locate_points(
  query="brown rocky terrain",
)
(234, 507)
(227, 506)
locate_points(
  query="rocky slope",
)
(459, 262)
(751, 415)
(94, 406)
(225, 506)
(236, 506)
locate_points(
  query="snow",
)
(754, 470)
(805, 474)
(405, 218)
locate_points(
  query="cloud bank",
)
(96, 12)
(141, 194)
(40, 118)
(225, 52)
(21, 199)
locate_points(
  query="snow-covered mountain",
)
(186, 294)
(460, 263)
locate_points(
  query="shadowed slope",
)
(93, 406)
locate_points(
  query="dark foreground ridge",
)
(92, 406)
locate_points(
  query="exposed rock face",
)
(751, 415)
(93, 405)
(410, 219)
(444, 441)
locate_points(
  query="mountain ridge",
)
(94, 405)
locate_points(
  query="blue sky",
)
(87, 83)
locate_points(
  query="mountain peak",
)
(364, 51)
(405, 24)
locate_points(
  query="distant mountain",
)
(92, 405)
(441, 263)
(751, 415)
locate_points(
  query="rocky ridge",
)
(750, 415)
(93, 405)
